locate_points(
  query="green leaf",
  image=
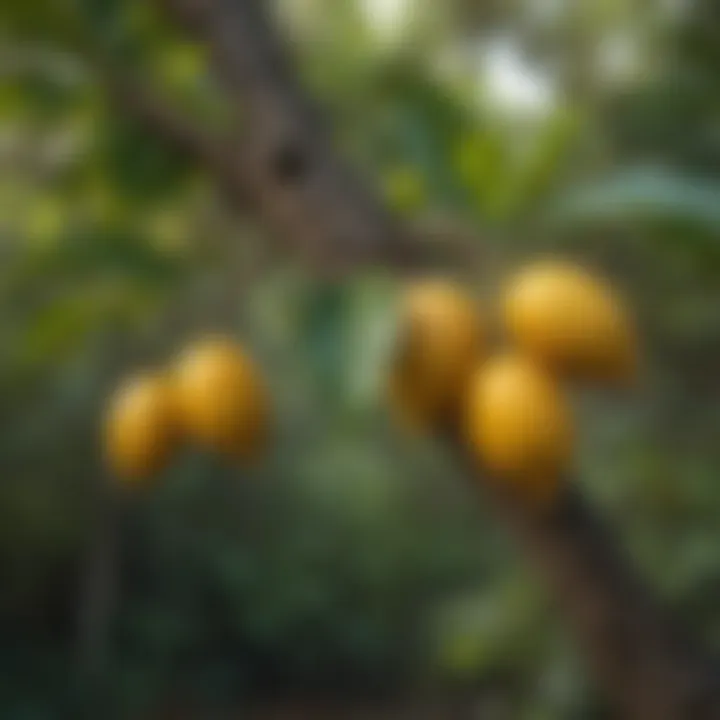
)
(143, 169)
(90, 255)
(542, 168)
(644, 194)
(371, 336)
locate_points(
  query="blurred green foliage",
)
(355, 559)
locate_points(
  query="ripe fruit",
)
(440, 341)
(141, 427)
(570, 321)
(222, 399)
(517, 424)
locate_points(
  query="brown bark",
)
(650, 669)
(647, 664)
(301, 190)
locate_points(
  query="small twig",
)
(99, 595)
(174, 127)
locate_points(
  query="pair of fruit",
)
(563, 323)
(213, 395)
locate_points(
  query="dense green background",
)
(355, 559)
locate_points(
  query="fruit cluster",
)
(212, 395)
(558, 322)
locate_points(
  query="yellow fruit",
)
(222, 399)
(517, 424)
(570, 321)
(440, 341)
(141, 428)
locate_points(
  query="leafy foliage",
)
(354, 559)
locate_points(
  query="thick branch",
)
(647, 664)
(299, 186)
(649, 669)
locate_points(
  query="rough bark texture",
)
(285, 164)
(647, 664)
(298, 186)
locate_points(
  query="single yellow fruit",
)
(517, 424)
(570, 321)
(141, 427)
(222, 398)
(440, 341)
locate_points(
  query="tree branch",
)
(298, 185)
(647, 664)
(650, 669)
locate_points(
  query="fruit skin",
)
(141, 428)
(222, 398)
(572, 322)
(517, 424)
(440, 340)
